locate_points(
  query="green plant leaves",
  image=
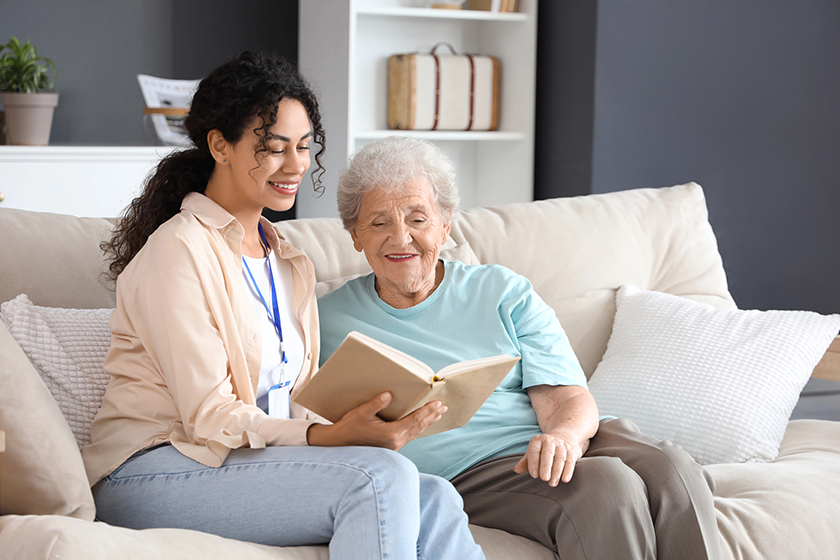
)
(23, 71)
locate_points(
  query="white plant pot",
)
(29, 117)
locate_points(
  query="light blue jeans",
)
(365, 502)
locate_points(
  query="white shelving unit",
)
(90, 181)
(343, 50)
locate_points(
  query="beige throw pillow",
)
(67, 348)
(42, 471)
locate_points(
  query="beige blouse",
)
(186, 348)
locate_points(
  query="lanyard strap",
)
(274, 317)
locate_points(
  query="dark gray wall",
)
(99, 47)
(208, 32)
(742, 97)
(565, 104)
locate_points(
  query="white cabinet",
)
(343, 50)
(89, 181)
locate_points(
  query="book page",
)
(465, 390)
(416, 366)
(460, 367)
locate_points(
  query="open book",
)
(362, 368)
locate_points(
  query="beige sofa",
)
(576, 251)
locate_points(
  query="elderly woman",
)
(593, 489)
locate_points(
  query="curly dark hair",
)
(229, 99)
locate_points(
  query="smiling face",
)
(401, 234)
(248, 180)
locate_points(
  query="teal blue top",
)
(476, 312)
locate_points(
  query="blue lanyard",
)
(275, 317)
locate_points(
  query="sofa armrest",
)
(829, 366)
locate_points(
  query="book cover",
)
(485, 5)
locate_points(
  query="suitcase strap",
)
(437, 85)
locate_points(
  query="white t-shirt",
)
(292, 331)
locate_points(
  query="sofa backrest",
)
(54, 259)
(576, 251)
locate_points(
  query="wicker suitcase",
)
(443, 91)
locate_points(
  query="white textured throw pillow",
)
(721, 383)
(67, 348)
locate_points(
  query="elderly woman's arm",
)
(568, 417)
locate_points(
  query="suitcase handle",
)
(444, 43)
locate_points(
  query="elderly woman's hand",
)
(568, 417)
(362, 426)
(551, 458)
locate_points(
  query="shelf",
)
(475, 15)
(442, 135)
(96, 154)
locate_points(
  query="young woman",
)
(216, 326)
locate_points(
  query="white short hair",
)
(391, 164)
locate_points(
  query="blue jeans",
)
(365, 502)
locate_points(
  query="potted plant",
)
(26, 91)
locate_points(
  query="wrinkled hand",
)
(362, 426)
(551, 458)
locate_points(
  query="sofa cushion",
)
(65, 252)
(784, 508)
(43, 471)
(36, 537)
(47, 537)
(578, 251)
(67, 347)
(721, 383)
